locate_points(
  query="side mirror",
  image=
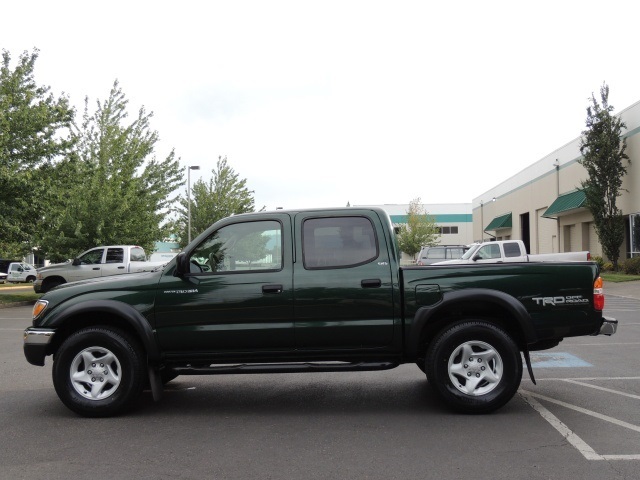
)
(182, 265)
(76, 262)
(475, 258)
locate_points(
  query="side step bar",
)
(289, 367)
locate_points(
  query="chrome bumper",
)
(36, 341)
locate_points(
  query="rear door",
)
(343, 289)
(114, 262)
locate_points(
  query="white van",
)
(21, 272)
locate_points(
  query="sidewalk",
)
(623, 289)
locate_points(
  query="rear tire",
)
(99, 371)
(474, 366)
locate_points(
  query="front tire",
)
(474, 366)
(99, 371)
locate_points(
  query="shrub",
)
(607, 267)
(631, 266)
(599, 260)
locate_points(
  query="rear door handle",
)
(371, 283)
(96, 268)
(272, 289)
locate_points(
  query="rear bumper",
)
(609, 326)
(36, 341)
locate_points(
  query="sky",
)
(320, 104)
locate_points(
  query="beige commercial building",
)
(543, 206)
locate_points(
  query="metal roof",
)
(503, 221)
(566, 204)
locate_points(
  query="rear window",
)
(137, 254)
(436, 253)
(511, 249)
(338, 242)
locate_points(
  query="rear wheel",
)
(474, 366)
(98, 371)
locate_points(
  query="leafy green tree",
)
(34, 134)
(119, 193)
(603, 155)
(420, 230)
(252, 247)
(225, 194)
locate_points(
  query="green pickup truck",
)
(309, 291)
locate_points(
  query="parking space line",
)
(577, 442)
(600, 416)
(596, 387)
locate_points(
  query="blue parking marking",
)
(557, 360)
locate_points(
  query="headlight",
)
(39, 307)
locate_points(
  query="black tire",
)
(486, 378)
(99, 371)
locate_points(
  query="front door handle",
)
(96, 268)
(371, 283)
(272, 289)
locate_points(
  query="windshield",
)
(471, 251)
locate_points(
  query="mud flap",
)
(155, 382)
(527, 360)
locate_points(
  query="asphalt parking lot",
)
(581, 420)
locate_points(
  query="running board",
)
(290, 367)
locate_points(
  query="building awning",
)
(501, 222)
(566, 204)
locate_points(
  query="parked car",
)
(430, 255)
(328, 296)
(512, 251)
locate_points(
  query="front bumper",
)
(36, 341)
(609, 326)
(37, 286)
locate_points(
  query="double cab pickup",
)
(308, 291)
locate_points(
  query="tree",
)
(603, 155)
(225, 194)
(118, 192)
(34, 134)
(420, 230)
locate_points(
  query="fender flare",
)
(425, 315)
(126, 312)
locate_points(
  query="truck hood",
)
(133, 281)
(54, 266)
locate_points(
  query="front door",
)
(343, 287)
(239, 294)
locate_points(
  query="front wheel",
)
(474, 366)
(98, 371)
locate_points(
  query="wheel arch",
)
(55, 279)
(492, 306)
(108, 313)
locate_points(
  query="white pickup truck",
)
(511, 251)
(21, 272)
(97, 262)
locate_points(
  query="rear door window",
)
(338, 242)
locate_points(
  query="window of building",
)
(451, 230)
(338, 242)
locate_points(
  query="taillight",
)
(588, 256)
(598, 294)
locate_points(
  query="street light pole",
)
(189, 168)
